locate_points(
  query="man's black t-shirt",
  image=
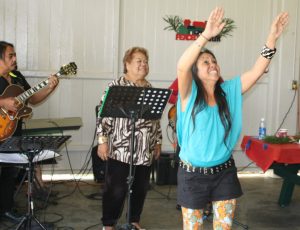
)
(17, 79)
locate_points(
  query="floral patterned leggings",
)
(223, 215)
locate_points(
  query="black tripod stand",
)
(133, 103)
(31, 146)
(27, 220)
(130, 178)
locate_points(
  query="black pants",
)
(115, 191)
(7, 185)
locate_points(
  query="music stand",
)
(31, 146)
(133, 103)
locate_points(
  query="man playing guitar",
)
(8, 76)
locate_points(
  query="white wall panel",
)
(96, 33)
(21, 32)
(48, 34)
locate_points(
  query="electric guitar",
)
(172, 117)
(9, 119)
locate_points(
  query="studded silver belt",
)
(207, 170)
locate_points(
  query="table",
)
(284, 159)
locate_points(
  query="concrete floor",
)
(79, 207)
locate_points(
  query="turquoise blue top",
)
(203, 145)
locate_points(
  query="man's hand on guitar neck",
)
(9, 104)
(45, 92)
(52, 82)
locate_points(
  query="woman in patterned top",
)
(114, 147)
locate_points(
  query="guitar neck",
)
(30, 92)
(70, 68)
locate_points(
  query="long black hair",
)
(220, 96)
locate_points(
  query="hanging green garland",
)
(188, 30)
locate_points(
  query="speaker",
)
(166, 169)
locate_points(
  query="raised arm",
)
(250, 77)
(213, 27)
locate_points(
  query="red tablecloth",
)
(264, 154)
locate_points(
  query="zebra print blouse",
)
(118, 130)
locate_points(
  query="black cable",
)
(87, 160)
(6, 226)
(283, 120)
(83, 169)
(65, 228)
(48, 196)
(92, 226)
(60, 218)
(88, 156)
(166, 196)
(242, 169)
(285, 116)
(41, 148)
(95, 196)
(74, 179)
(47, 201)
(77, 181)
(60, 129)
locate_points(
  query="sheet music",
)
(19, 158)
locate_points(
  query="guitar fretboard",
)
(70, 68)
(28, 93)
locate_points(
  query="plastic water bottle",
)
(262, 129)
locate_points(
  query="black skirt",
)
(195, 190)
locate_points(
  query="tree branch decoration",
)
(187, 30)
(174, 22)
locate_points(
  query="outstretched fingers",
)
(215, 22)
(216, 16)
(283, 19)
(219, 15)
(279, 24)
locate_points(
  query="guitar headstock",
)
(68, 69)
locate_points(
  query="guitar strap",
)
(12, 74)
(19, 79)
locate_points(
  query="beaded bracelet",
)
(204, 37)
(198, 44)
(102, 140)
(268, 53)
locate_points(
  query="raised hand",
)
(278, 25)
(250, 77)
(214, 23)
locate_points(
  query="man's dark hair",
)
(3, 46)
